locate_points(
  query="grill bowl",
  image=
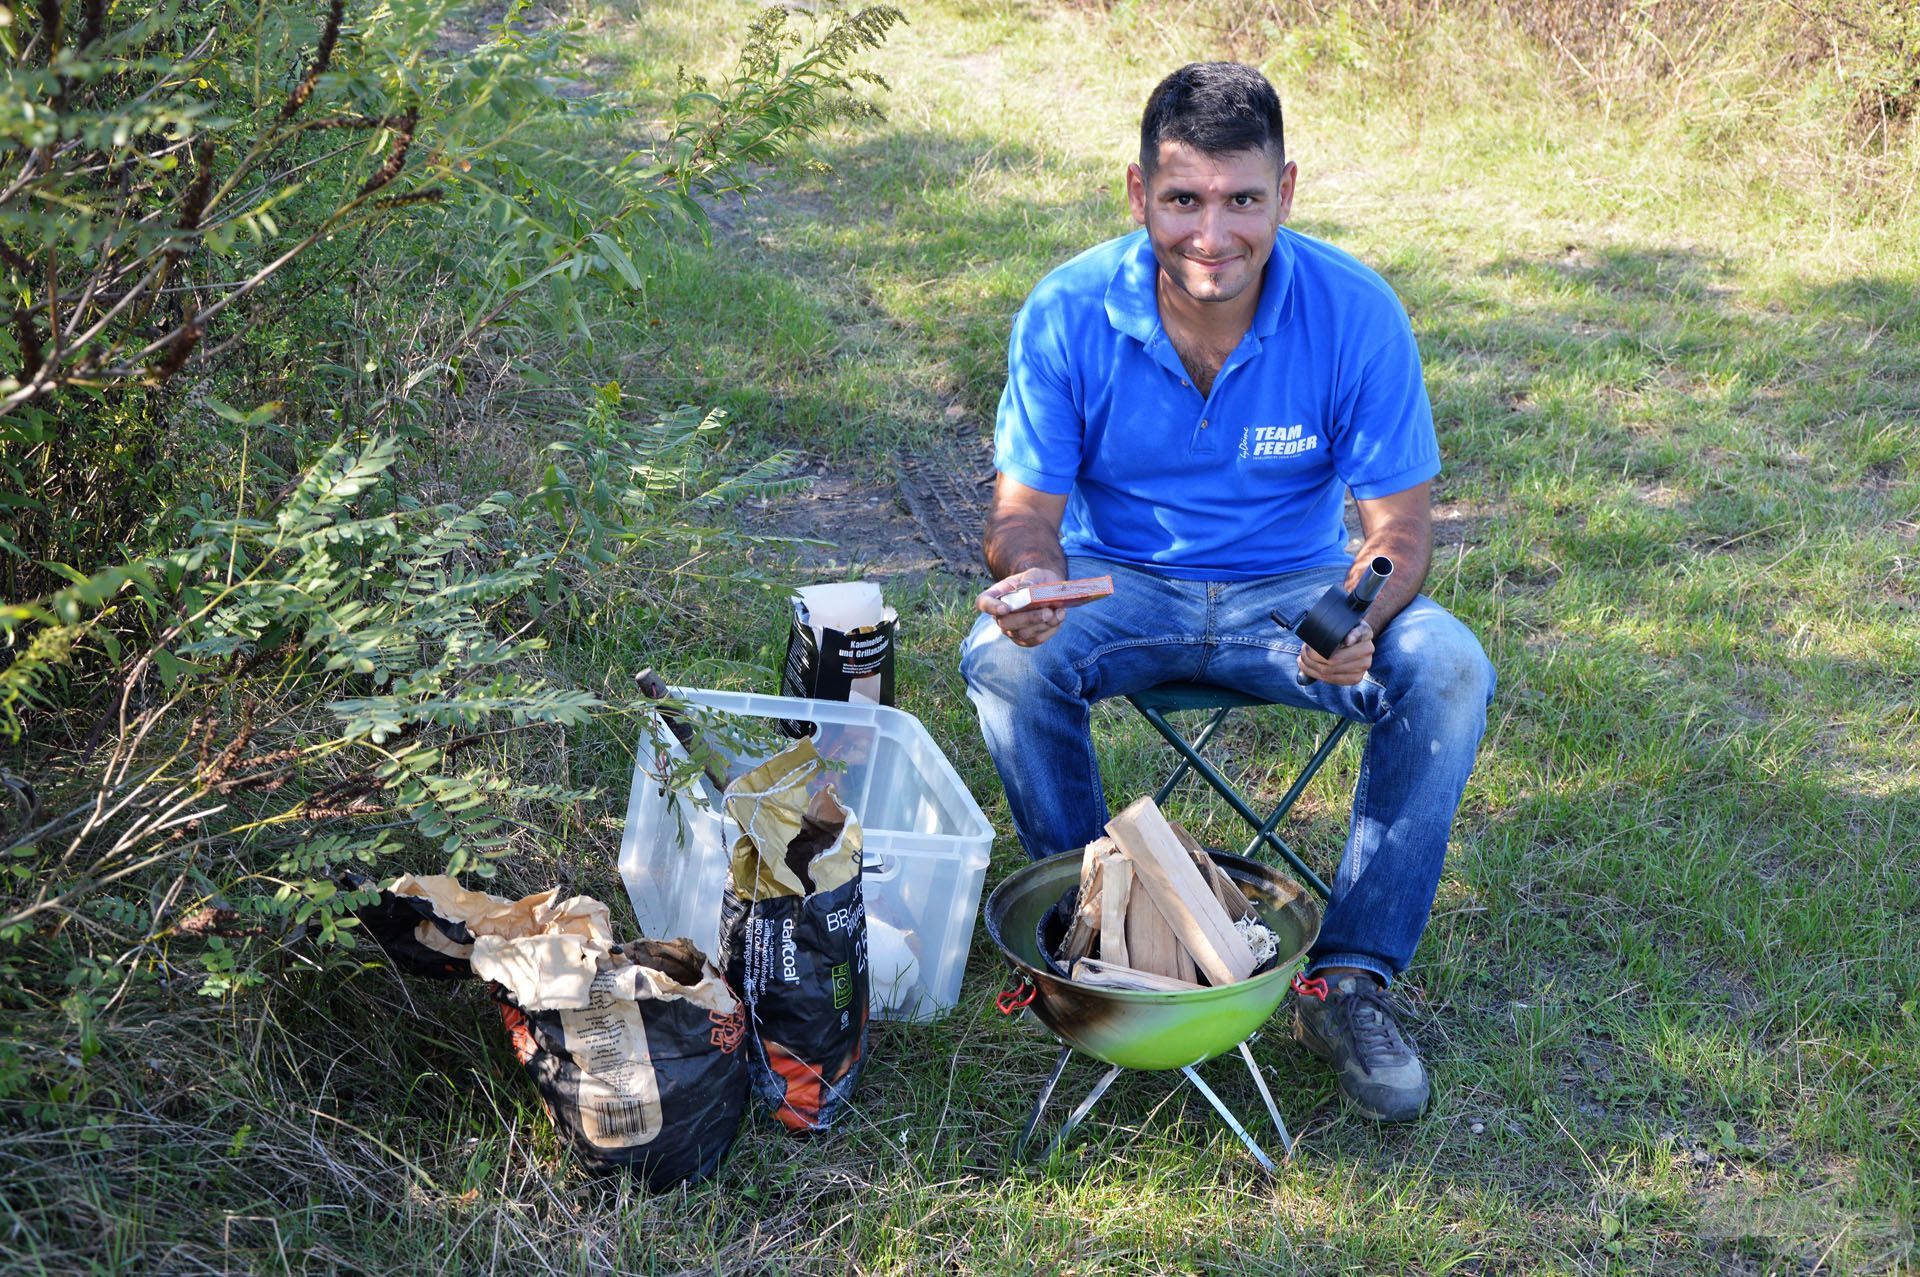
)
(1137, 1029)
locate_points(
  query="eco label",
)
(619, 1092)
(842, 985)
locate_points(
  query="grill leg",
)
(1226, 1115)
(1273, 1110)
(1040, 1105)
(1086, 1107)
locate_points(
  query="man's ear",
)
(1137, 193)
(1287, 176)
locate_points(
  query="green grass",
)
(1669, 992)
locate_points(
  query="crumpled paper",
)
(544, 952)
(640, 982)
(791, 843)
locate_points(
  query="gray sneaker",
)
(1351, 1026)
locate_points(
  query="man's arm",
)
(1022, 544)
(1399, 526)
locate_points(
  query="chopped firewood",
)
(1151, 944)
(1261, 941)
(1104, 975)
(1225, 889)
(1116, 884)
(1185, 899)
(1222, 882)
(1086, 915)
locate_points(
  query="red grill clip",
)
(1018, 998)
(1314, 988)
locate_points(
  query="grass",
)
(1669, 991)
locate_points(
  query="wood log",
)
(1225, 889)
(1151, 942)
(1188, 903)
(1104, 975)
(1116, 885)
(1085, 926)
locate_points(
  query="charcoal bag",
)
(634, 1049)
(648, 1077)
(826, 663)
(793, 936)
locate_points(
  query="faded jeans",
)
(1425, 698)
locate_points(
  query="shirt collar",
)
(1133, 305)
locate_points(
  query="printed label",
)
(619, 1092)
(728, 1029)
(1277, 441)
(789, 953)
(842, 985)
(864, 656)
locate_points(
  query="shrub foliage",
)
(212, 707)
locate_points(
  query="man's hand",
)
(1028, 627)
(1399, 526)
(1349, 662)
(1022, 544)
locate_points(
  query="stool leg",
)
(1040, 1105)
(1191, 759)
(1221, 786)
(1086, 1107)
(1273, 1110)
(1265, 833)
(1226, 1115)
(1188, 750)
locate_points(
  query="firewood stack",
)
(1156, 913)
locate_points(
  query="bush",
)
(173, 170)
(213, 705)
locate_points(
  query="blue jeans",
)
(1425, 698)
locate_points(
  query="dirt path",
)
(894, 531)
(907, 515)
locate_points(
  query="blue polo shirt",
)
(1323, 393)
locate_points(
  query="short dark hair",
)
(1219, 108)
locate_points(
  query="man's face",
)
(1211, 218)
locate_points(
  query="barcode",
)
(610, 1121)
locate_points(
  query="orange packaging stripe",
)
(800, 1109)
(1080, 590)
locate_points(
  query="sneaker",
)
(1351, 1026)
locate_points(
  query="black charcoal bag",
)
(793, 939)
(648, 1078)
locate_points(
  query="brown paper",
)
(545, 953)
(774, 810)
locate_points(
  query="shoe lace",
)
(1374, 1032)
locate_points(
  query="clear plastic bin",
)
(926, 843)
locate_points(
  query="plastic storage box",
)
(926, 843)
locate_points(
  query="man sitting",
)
(1185, 409)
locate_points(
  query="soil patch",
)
(925, 519)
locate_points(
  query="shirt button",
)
(1203, 423)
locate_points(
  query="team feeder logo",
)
(1277, 441)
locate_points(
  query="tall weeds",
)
(1828, 87)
